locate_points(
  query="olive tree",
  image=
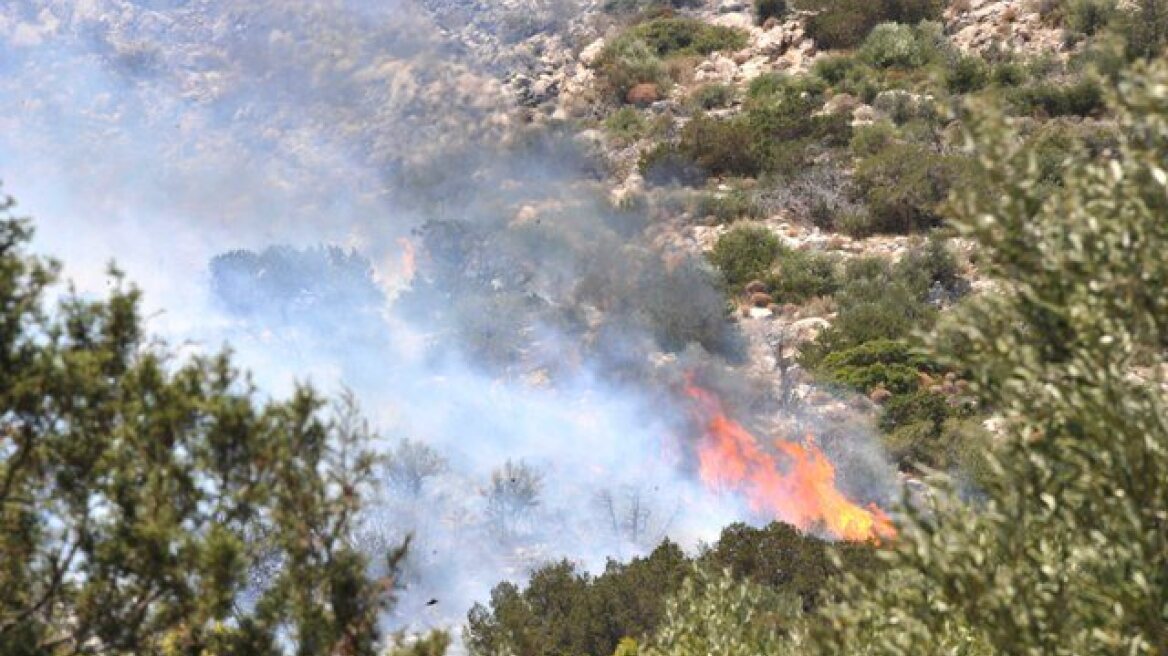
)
(1067, 552)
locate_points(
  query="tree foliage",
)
(1068, 554)
(563, 611)
(151, 506)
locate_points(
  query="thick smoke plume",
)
(343, 194)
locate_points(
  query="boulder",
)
(806, 330)
(643, 94)
(591, 53)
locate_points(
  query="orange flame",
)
(805, 496)
(409, 259)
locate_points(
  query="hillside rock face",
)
(1004, 25)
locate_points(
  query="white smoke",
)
(162, 133)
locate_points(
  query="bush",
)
(868, 140)
(1055, 142)
(1089, 16)
(669, 164)
(803, 275)
(1082, 98)
(1064, 551)
(892, 45)
(1145, 28)
(626, 124)
(729, 207)
(1009, 74)
(846, 23)
(768, 88)
(767, 9)
(563, 611)
(722, 147)
(834, 69)
(968, 74)
(744, 254)
(773, 136)
(933, 263)
(627, 62)
(883, 362)
(902, 187)
(712, 96)
(923, 406)
(683, 306)
(876, 301)
(685, 36)
(903, 107)
(841, 23)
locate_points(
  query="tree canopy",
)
(151, 505)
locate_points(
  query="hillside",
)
(655, 326)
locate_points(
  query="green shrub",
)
(767, 9)
(685, 36)
(902, 187)
(923, 406)
(745, 253)
(915, 443)
(876, 301)
(1145, 28)
(903, 107)
(1064, 548)
(774, 135)
(669, 164)
(722, 146)
(925, 428)
(1089, 16)
(729, 207)
(892, 45)
(803, 275)
(886, 363)
(928, 264)
(626, 123)
(841, 23)
(968, 74)
(1009, 74)
(785, 132)
(712, 96)
(1057, 141)
(834, 69)
(769, 88)
(627, 62)
(564, 611)
(1082, 98)
(870, 139)
(846, 23)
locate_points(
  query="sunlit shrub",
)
(745, 253)
(686, 36)
(902, 187)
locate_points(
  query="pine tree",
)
(152, 505)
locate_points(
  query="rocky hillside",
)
(836, 154)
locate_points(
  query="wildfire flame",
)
(801, 493)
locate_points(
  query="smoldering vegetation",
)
(257, 167)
